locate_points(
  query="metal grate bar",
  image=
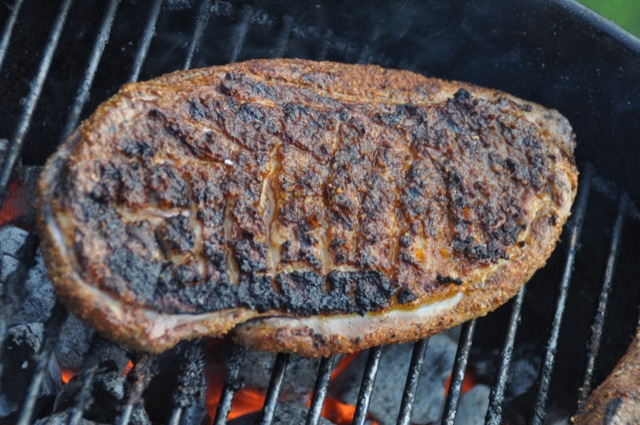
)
(90, 71)
(190, 385)
(50, 339)
(241, 33)
(320, 390)
(148, 34)
(413, 378)
(271, 399)
(496, 398)
(202, 19)
(457, 374)
(8, 29)
(176, 415)
(143, 370)
(366, 387)
(544, 381)
(596, 336)
(17, 141)
(283, 38)
(88, 375)
(231, 384)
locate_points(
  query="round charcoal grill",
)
(577, 315)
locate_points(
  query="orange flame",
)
(67, 375)
(246, 401)
(127, 369)
(16, 203)
(468, 382)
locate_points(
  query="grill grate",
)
(192, 362)
(17, 141)
(598, 325)
(539, 410)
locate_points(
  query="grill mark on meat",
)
(233, 271)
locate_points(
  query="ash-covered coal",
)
(108, 389)
(73, 343)
(180, 382)
(285, 414)
(23, 342)
(473, 406)
(24, 278)
(300, 375)
(390, 381)
(62, 419)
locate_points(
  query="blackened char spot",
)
(243, 86)
(258, 293)
(462, 95)
(448, 279)
(249, 254)
(169, 188)
(302, 292)
(373, 290)
(339, 296)
(136, 149)
(406, 295)
(177, 234)
(139, 275)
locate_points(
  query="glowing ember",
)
(468, 382)
(127, 369)
(67, 375)
(338, 412)
(246, 401)
(344, 362)
(16, 204)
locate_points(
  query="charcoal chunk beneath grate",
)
(285, 414)
(300, 374)
(62, 418)
(22, 344)
(25, 279)
(390, 381)
(473, 406)
(108, 391)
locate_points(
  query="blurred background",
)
(625, 13)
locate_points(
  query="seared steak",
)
(315, 207)
(617, 399)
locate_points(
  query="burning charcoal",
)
(108, 390)
(473, 406)
(285, 414)
(22, 343)
(299, 379)
(179, 382)
(523, 369)
(390, 381)
(35, 299)
(17, 206)
(73, 343)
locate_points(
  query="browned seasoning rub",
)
(311, 207)
(617, 400)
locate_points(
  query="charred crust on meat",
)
(462, 95)
(406, 295)
(448, 279)
(286, 188)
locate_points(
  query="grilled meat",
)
(312, 207)
(617, 399)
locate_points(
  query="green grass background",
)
(625, 13)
